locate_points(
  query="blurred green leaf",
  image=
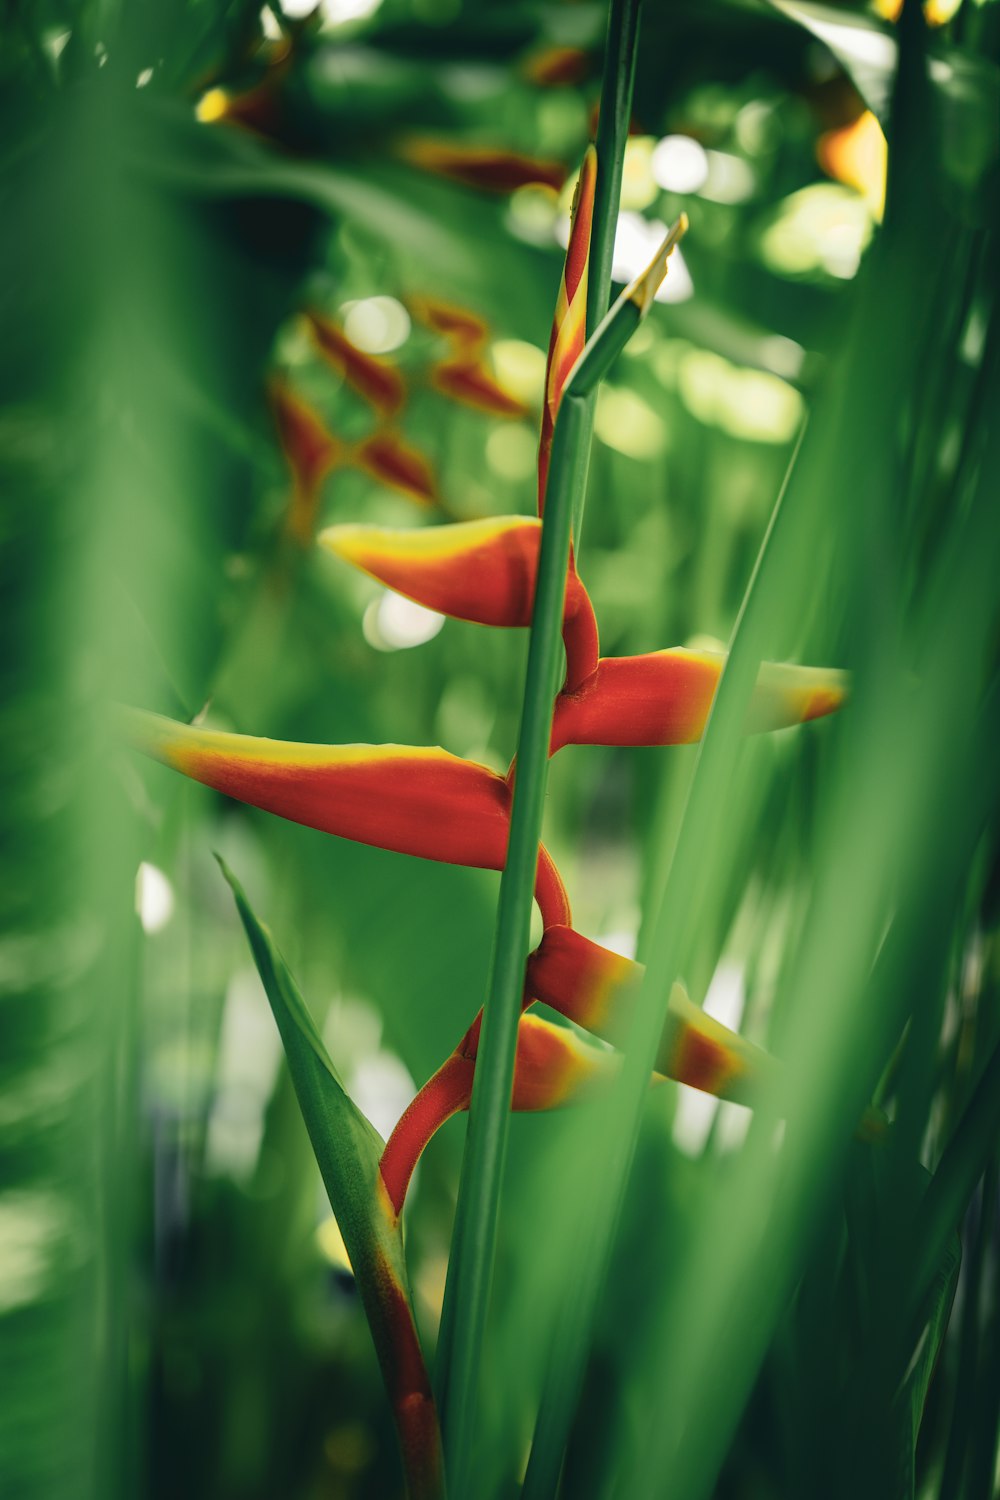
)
(348, 1150)
(966, 86)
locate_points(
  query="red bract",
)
(483, 571)
(374, 378)
(554, 67)
(569, 332)
(491, 169)
(469, 382)
(552, 1067)
(664, 698)
(464, 329)
(597, 988)
(394, 462)
(310, 452)
(406, 798)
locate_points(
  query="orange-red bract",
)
(552, 1067)
(310, 450)
(376, 379)
(389, 458)
(411, 799)
(597, 988)
(465, 329)
(491, 169)
(470, 382)
(569, 326)
(553, 67)
(664, 698)
(484, 571)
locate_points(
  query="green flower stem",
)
(473, 1247)
(612, 133)
(471, 1267)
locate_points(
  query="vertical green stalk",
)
(473, 1247)
(612, 133)
(471, 1268)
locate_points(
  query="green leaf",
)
(348, 1149)
(918, 1379)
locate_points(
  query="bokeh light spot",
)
(394, 623)
(377, 324)
(679, 164)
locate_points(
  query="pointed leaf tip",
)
(348, 1149)
(644, 288)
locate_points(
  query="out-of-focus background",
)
(183, 187)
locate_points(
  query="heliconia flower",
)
(470, 382)
(410, 799)
(310, 450)
(489, 168)
(465, 329)
(387, 457)
(555, 66)
(484, 571)
(858, 155)
(597, 988)
(664, 698)
(569, 326)
(552, 1068)
(257, 109)
(376, 379)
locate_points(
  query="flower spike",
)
(664, 698)
(483, 571)
(569, 331)
(407, 798)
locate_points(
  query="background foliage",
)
(176, 1316)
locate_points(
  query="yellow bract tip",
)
(347, 541)
(646, 285)
(213, 106)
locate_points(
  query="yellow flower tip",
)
(212, 107)
(644, 288)
(857, 155)
(153, 735)
(825, 700)
(350, 541)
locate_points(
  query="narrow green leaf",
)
(348, 1150)
(918, 1378)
